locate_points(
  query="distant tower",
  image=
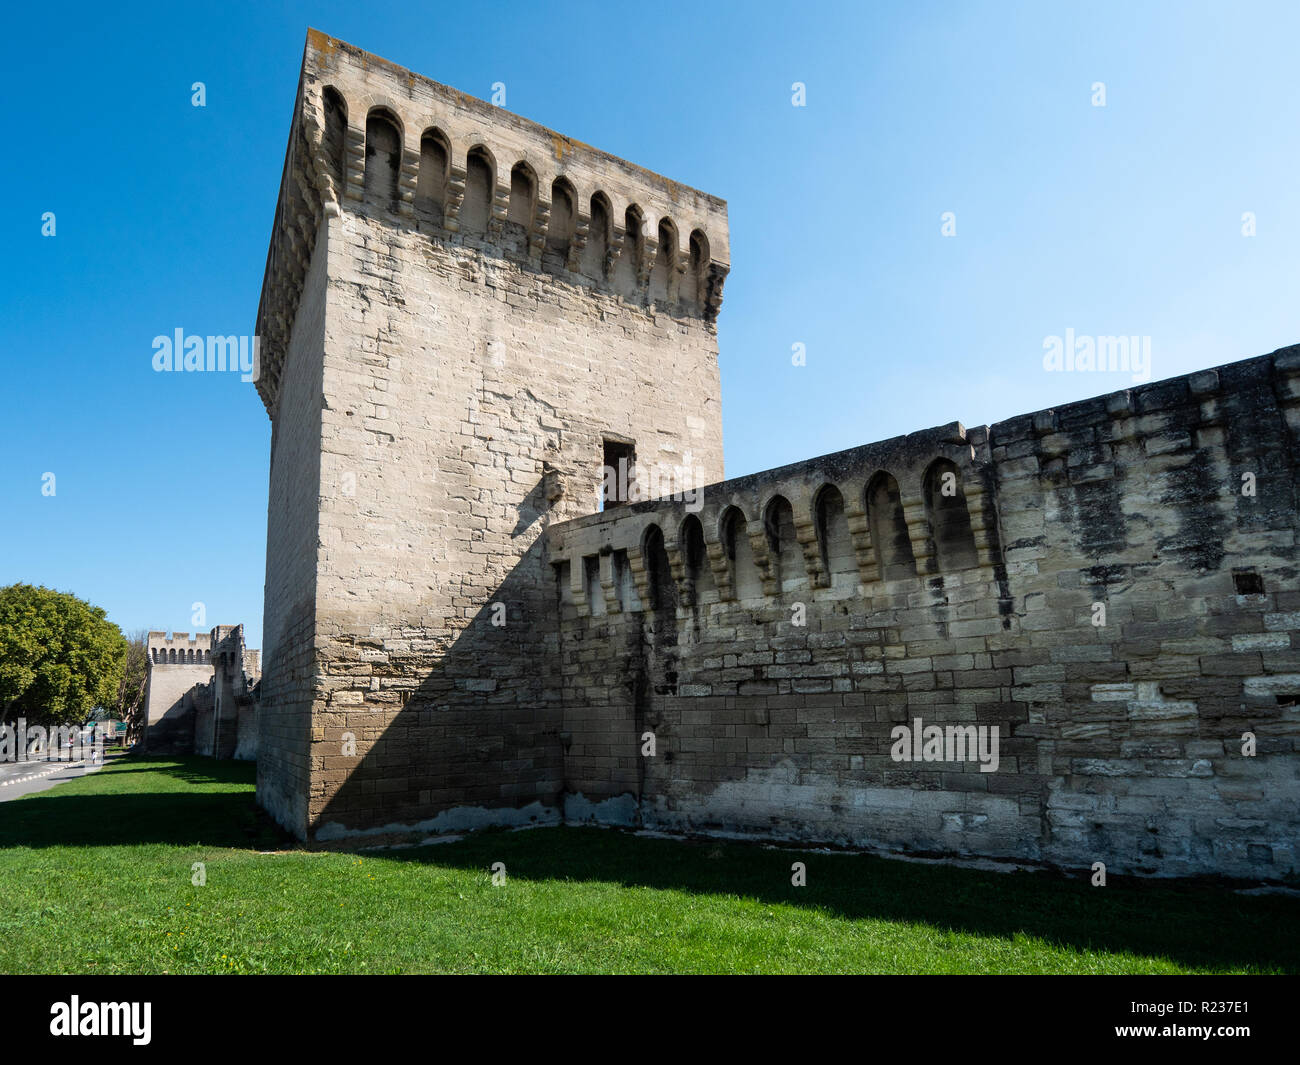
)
(465, 317)
(199, 695)
(175, 665)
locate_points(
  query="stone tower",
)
(175, 665)
(465, 319)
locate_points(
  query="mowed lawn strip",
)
(99, 878)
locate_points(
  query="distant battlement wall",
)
(179, 649)
(226, 725)
(196, 687)
(1111, 585)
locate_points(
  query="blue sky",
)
(1117, 220)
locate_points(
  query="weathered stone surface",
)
(456, 635)
(446, 364)
(200, 694)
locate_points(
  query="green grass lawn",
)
(97, 879)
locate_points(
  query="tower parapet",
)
(179, 649)
(371, 138)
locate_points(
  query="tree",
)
(60, 657)
(128, 706)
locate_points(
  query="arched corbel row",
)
(333, 190)
(677, 567)
(824, 550)
(986, 538)
(407, 176)
(500, 205)
(539, 229)
(456, 178)
(578, 584)
(608, 586)
(719, 565)
(578, 242)
(918, 527)
(762, 556)
(354, 161)
(859, 523)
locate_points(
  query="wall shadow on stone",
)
(1120, 741)
(475, 740)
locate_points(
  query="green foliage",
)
(128, 699)
(60, 657)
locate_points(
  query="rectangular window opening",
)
(1247, 582)
(618, 471)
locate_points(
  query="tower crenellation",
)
(369, 138)
(179, 648)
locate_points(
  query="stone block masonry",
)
(200, 694)
(463, 314)
(466, 318)
(1111, 584)
(176, 664)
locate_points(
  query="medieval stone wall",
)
(488, 307)
(467, 317)
(226, 723)
(199, 694)
(1113, 585)
(175, 665)
(292, 543)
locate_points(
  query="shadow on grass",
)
(196, 801)
(190, 769)
(1204, 925)
(190, 801)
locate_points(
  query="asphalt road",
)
(24, 778)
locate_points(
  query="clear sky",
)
(1125, 220)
